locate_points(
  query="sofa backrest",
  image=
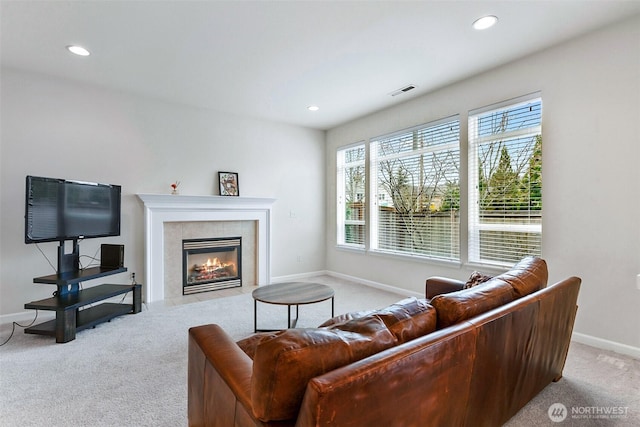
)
(528, 276)
(478, 372)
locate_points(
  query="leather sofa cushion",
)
(457, 306)
(407, 319)
(342, 318)
(250, 343)
(284, 364)
(528, 276)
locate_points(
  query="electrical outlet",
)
(638, 281)
(299, 258)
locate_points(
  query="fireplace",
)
(168, 219)
(211, 264)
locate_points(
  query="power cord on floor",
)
(13, 328)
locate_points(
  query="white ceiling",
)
(271, 59)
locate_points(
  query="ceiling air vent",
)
(403, 90)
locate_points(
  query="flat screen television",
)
(60, 209)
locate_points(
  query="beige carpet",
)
(132, 371)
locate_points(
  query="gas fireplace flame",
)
(212, 269)
(215, 263)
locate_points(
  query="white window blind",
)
(416, 191)
(505, 182)
(351, 204)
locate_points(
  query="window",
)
(415, 186)
(412, 182)
(505, 182)
(351, 196)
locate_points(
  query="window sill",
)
(415, 258)
(348, 248)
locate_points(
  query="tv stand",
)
(69, 300)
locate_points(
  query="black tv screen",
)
(60, 209)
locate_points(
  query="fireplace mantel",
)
(162, 208)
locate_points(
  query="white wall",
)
(64, 129)
(591, 171)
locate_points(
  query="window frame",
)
(475, 223)
(341, 217)
(375, 193)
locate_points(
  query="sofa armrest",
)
(441, 285)
(216, 363)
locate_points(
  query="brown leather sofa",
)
(462, 357)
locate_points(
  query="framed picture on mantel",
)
(228, 184)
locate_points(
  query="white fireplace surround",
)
(162, 208)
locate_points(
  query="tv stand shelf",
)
(71, 317)
(76, 276)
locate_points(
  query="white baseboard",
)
(606, 344)
(26, 317)
(381, 286)
(296, 277)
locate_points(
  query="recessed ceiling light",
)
(485, 22)
(313, 108)
(78, 50)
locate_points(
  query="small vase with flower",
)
(174, 187)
